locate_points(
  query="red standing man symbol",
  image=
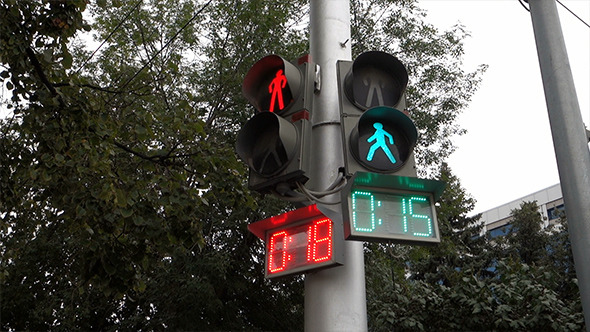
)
(275, 88)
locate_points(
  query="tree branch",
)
(39, 70)
(90, 86)
(159, 158)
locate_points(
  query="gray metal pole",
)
(569, 137)
(335, 298)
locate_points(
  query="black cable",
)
(523, 6)
(109, 36)
(559, 2)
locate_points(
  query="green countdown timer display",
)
(393, 209)
(379, 214)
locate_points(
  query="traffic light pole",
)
(569, 137)
(335, 298)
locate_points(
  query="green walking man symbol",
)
(379, 138)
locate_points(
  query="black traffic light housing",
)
(275, 150)
(383, 200)
(390, 157)
(374, 79)
(275, 142)
(276, 85)
(378, 135)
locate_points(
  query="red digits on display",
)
(277, 260)
(319, 241)
(299, 246)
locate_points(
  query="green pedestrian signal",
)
(378, 135)
(380, 143)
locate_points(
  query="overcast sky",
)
(508, 150)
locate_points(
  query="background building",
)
(550, 201)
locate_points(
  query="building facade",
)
(550, 201)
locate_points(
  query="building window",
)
(499, 231)
(556, 212)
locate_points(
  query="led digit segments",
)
(278, 244)
(300, 241)
(319, 240)
(295, 248)
(359, 212)
(398, 215)
(408, 209)
(386, 207)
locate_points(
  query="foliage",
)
(527, 239)
(122, 203)
(471, 283)
(461, 245)
(522, 299)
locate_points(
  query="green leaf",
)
(67, 60)
(141, 286)
(138, 220)
(120, 198)
(48, 55)
(80, 211)
(126, 213)
(108, 267)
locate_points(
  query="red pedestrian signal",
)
(276, 85)
(275, 142)
(375, 79)
(275, 88)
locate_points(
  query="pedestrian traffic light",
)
(378, 135)
(275, 142)
(379, 139)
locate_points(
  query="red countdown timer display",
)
(299, 246)
(297, 241)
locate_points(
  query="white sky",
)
(508, 150)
